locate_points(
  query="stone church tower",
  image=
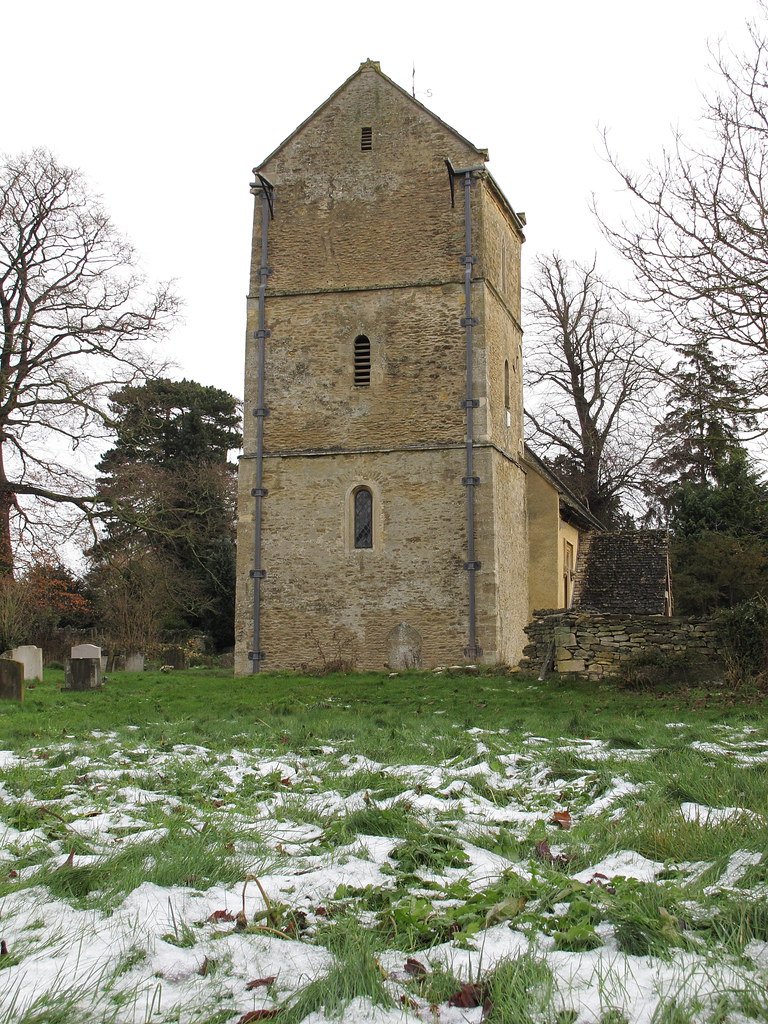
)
(382, 515)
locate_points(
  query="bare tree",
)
(698, 235)
(74, 313)
(591, 381)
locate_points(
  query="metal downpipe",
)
(469, 403)
(264, 189)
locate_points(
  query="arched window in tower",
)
(362, 361)
(363, 500)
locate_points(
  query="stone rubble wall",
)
(592, 645)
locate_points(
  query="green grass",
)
(216, 818)
(375, 712)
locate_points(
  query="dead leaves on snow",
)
(544, 854)
(562, 818)
(261, 983)
(471, 995)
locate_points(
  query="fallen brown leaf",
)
(415, 968)
(69, 862)
(221, 915)
(562, 818)
(205, 967)
(257, 1015)
(544, 853)
(471, 995)
(260, 983)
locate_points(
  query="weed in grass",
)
(181, 856)
(646, 919)
(673, 1011)
(430, 852)
(128, 959)
(379, 785)
(395, 821)
(576, 931)
(355, 973)
(519, 990)
(732, 923)
(436, 985)
(181, 934)
(62, 1003)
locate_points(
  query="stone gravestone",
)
(176, 657)
(404, 647)
(134, 661)
(31, 658)
(85, 651)
(84, 674)
(11, 680)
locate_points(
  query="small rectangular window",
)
(366, 139)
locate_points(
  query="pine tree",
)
(168, 494)
(708, 411)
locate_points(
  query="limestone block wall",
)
(366, 242)
(592, 645)
(321, 589)
(365, 219)
(510, 566)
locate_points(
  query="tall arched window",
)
(362, 361)
(506, 383)
(363, 518)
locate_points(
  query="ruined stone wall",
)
(592, 645)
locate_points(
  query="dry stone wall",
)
(593, 645)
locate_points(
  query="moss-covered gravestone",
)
(11, 680)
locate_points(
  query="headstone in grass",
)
(11, 680)
(83, 674)
(31, 658)
(134, 661)
(404, 648)
(176, 657)
(85, 651)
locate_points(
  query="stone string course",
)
(592, 645)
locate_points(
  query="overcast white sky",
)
(167, 105)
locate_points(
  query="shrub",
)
(653, 668)
(744, 635)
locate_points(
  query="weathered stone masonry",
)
(365, 244)
(592, 645)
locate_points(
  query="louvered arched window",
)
(362, 361)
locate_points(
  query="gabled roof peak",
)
(375, 66)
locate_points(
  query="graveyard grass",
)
(451, 848)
